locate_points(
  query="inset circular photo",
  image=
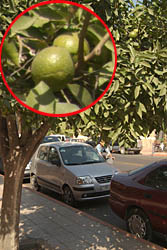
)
(58, 58)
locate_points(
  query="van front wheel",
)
(68, 196)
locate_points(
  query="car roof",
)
(64, 144)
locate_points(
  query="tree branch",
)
(24, 131)
(81, 42)
(12, 129)
(34, 141)
(4, 140)
(98, 48)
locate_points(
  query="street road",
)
(100, 208)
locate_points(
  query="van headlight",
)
(81, 180)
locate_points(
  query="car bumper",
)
(90, 192)
(117, 206)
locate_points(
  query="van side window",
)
(42, 154)
(53, 155)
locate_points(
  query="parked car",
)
(50, 138)
(91, 142)
(26, 171)
(74, 170)
(140, 198)
(135, 148)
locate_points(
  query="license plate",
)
(104, 188)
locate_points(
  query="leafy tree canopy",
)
(136, 102)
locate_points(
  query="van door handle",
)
(147, 196)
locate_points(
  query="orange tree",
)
(21, 131)
(134, 105)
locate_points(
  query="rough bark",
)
(16, 150)
(10, 211)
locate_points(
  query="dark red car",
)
(140, 198)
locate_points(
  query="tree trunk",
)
(10, 211)
(17, 145)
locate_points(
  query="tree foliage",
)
(136, 103)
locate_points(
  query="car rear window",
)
(138, 170)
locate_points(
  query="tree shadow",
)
(63, 227)
(46, 223)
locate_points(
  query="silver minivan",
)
(74, 170)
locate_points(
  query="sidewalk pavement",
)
(58, 226)
(160, 154)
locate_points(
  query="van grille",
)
(103, 179)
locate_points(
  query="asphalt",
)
(48, 224)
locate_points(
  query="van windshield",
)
(77, 155)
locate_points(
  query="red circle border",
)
(64, 114)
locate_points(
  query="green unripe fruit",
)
(70, 41)
(133, 33)
(54, 66)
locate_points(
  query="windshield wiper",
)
(75, 163)
(89, 162)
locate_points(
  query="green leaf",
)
(126, 118)
(137, 91)
(163, 55)
(116, 85)
(156, 101)
(146, 64)
(162, 91)
(23, 23)
(114, 134)
(81, 94)
(63, 108)
(150, 87)
(39, 22)
(117, 35)
(137, 9)
(142, 107)
(107, 114)
(10, 51)
(52, 12)
(42, 98)
(155, 80)
(158, 72)
(106, 128)
(139, 112)
(132, 50)
(96, 108)
(151, 12)
(36, 43)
